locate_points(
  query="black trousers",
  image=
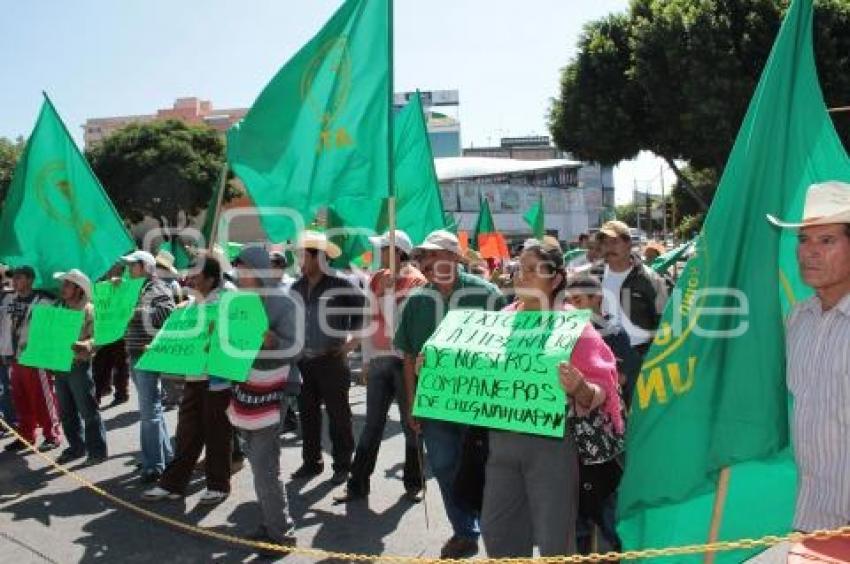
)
(109, 369)
(326, 381)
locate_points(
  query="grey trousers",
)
(530, 496)
(262, 447)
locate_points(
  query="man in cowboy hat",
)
(818, 338)
(333, 311)
(439, 256)
(78, 411)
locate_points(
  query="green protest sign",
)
(499, 369)
(52, 332)
(181, 346)
(238, 335)
(113, 308)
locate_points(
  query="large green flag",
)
(419, 205)
(484, 224)
(56, 215)
(319, 131)
(712, 393)
(535, 219)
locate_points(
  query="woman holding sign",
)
(531, 491)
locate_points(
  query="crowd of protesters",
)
(512, 491)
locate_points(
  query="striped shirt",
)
(819, 379)
(154, 306)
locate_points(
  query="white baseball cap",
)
(402, 241)
(441, 240)
(77, 277)
(141, 256)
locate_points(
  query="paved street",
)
(45, 517)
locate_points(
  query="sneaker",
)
(69, 455)
(15, 446)
(351, 494)
(308, 471)
(48, 445)
(340, 477)
(459, 547)
(414, 495)
(158, 494)
(212, 497)
(150, 477)
(116, 401)
(92, 460)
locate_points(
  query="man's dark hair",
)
(583, 237)
(210, 267)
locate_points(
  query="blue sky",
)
(106, 57)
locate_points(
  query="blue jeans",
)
(384, 384)
(78, 410)
(444, 445)
(7, 409)
(153, 434)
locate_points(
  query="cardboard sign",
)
(238, 335)
(52, 333)
(113, 308)
(181, 347)
(499, 369)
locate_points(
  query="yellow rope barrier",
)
(723, 546)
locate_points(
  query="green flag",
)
(56, 215)
(671, 257)
(706, 400)
(182, 260)
(484, 223)
(419, 205)
(319, 131)
(535, 219)
(213, 207)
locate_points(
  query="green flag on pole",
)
(535, 219)
(419, 205)
(716, 397)
(57, 216)
(319, 131)
(484, 224)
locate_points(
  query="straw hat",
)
(826, 204)
(318, 241)
(165, 260)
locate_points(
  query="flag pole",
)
(839, 109)
(390, 143)
(717, 512)
(216, 211)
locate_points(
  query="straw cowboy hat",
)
(319, 242)
(165, 260)
(76, 277)
(826, 204)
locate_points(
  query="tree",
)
(160, 169)
(676, 77)
(10, 152)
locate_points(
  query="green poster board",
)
(499, 369)
(238, 335)
(52, 333)
(113, 308)
(181, 346)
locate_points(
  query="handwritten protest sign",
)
(113, 308)
(499, 369)
(238, 335)
(181, 346)
(52, 332)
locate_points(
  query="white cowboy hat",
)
(826, 204)
(76, 277)
(318, 241)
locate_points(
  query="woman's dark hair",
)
(552, 256)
